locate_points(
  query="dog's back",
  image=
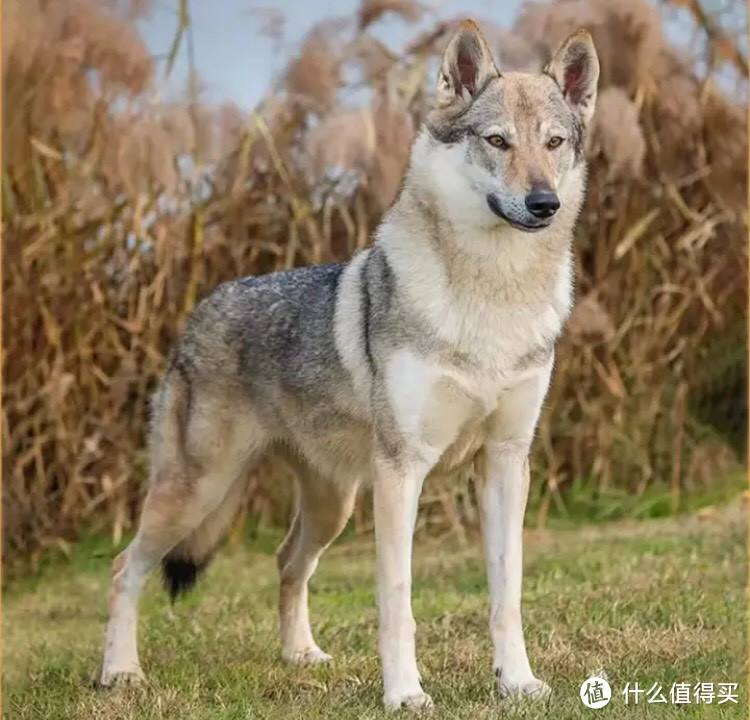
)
(265, 337)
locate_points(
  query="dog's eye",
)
(554, 142)
(498, 141)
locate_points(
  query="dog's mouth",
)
(536, 226)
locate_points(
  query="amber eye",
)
(498, 141)
(554, 142)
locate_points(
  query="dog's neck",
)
(495, 304)
(497, 262)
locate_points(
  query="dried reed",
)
(119, 212)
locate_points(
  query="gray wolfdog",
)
(428, 353)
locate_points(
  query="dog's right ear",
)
(467, 66)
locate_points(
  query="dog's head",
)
(508, 147)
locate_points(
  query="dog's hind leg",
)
(166, 519)
(198, 477)
(170, 516)
(323, 508)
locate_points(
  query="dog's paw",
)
(417, 701)
(523, 689)
(308, 656)
(121, 678)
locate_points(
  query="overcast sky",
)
(235, 63)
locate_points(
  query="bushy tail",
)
(184, 563)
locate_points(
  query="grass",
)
(586, 501)
(657, 601)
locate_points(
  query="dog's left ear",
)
(575, 68)
(467, 66)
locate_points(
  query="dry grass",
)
(119, 212)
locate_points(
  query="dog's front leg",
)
(504, 503)
(397, 486)
(506, 488)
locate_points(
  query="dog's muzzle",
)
(535, 222)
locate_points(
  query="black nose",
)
(542, 203)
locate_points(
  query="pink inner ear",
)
(574, 72)
(467, 71)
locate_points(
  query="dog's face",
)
(510, 146)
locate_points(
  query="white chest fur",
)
(433, 404)
(499, 301)
(496, 300)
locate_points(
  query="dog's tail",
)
(184, 563)
(171, 419)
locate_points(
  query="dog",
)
(429, 352)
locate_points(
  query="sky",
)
(235, 63)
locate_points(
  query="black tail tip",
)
(180, 574)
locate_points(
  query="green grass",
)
(586, 501)
(658, 601)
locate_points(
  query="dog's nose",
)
(542, 203)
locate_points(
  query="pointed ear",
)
(467, 66)
(575, 68)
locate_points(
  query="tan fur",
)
(471, 275)
(203, 541)
(323, 509)
(115, 587)
(535, 164)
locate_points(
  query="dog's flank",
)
(428, 353)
